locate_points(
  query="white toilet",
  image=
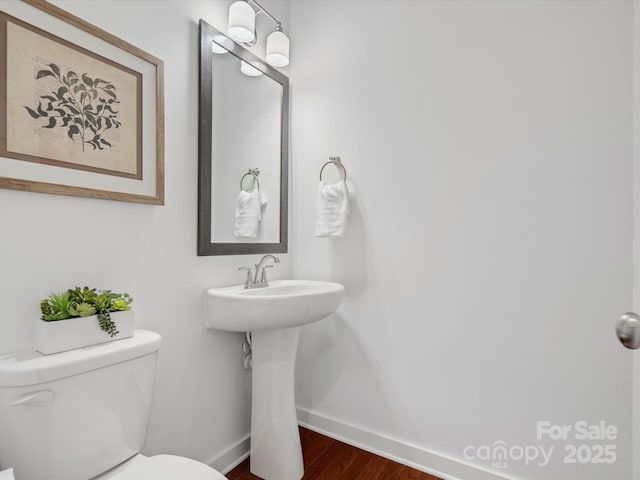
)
(83, 414)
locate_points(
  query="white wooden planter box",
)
(61, 335)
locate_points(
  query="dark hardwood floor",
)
(329, 459)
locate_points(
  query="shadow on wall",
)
(213, 369)
(348, 254)
(332, 345)
(334, 356)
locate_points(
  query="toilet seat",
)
(161, 467)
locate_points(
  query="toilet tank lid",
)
(32, 368)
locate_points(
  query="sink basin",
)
(271, 315)
(283, 304)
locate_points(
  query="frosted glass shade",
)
(249, 70)
(278, 49)
(215, 48)
(242, 22)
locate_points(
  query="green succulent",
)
(120, 304)
(84, 295)
(45, 308)
(56, 307)
(83, 309)
(102, 301)
(84, 302)
(107, 324)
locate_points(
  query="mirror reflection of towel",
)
(332, 209)
(248, 214)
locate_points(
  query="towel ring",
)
(338, 163)
(254, 172)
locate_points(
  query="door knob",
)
(628, 330)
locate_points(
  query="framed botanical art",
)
(81, 111)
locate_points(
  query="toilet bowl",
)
(83, 414)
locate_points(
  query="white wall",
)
(49, 243)
(489, 251)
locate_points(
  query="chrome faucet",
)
(258, 279)
(261, 268)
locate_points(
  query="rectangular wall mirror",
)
(243, 150)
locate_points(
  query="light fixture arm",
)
(260, 9)
(242, 28)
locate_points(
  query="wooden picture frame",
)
(81, 111)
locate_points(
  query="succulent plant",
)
(56, 307)
(84, 302)
(119, 304)
(84, 295)
(83, 309)
(107, 324)
(45, 308)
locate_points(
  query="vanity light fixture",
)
(241, 27)
(249, 69)
(215, 48)
(278, 48)
(221, 44)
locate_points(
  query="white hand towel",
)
(248, 214)
(333, 209)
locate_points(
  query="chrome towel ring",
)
(254, 172)
(338, 163)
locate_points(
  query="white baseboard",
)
(231, 457)
(434, 463)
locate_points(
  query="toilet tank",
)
(76, 414)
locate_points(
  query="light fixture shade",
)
(242, 22)
(219, 49)
(278, 49)
(249, 69)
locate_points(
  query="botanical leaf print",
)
(84, 106)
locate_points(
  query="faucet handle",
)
(248, 282)
(263, 275)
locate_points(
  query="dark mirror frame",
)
(205, 173)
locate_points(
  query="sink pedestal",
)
(276, 453)
(273, 315)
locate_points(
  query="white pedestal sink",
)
(273, 315)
